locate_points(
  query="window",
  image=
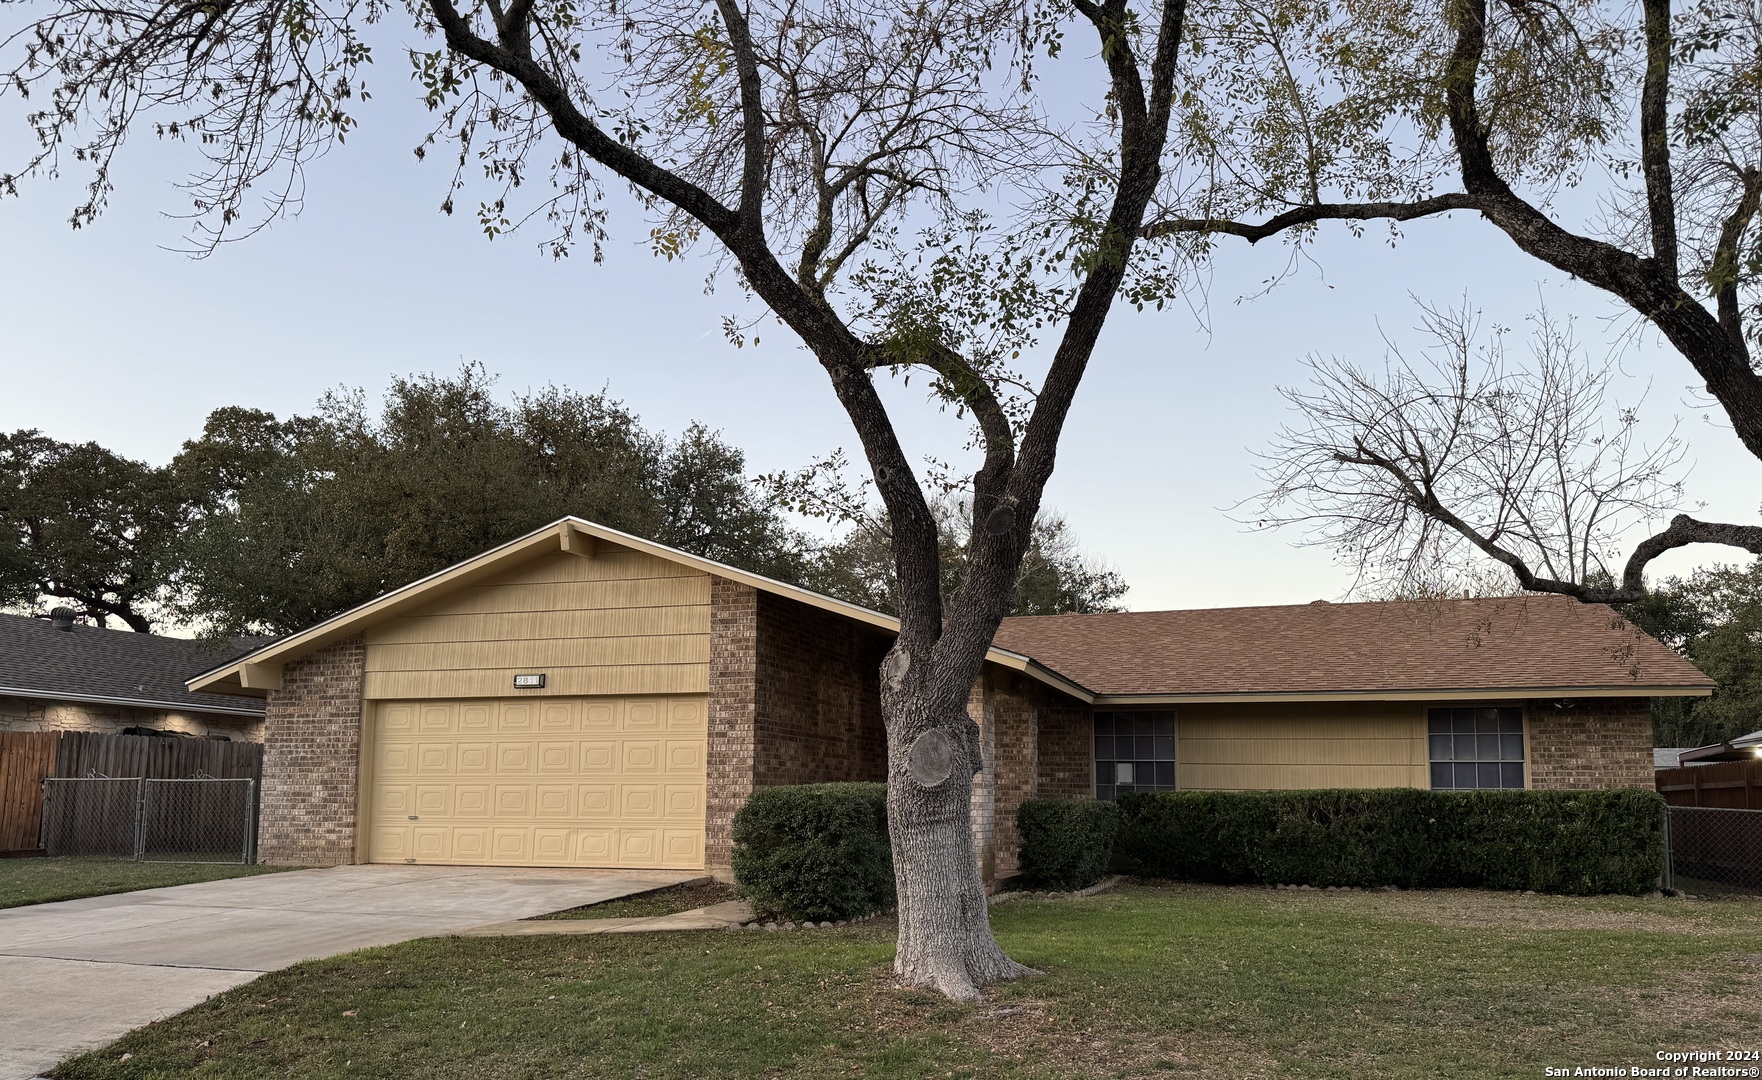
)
(1134, 751)
(1475, 748)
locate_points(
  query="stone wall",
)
(312, 759)
(30, 714)
(1590, 743)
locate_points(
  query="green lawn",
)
(40, 881)
(668, 901)
(1179, 981)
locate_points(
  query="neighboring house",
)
(1743, 748)
(63, 675)
(582, 697)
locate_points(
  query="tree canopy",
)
(264, 526)
(1714, 617)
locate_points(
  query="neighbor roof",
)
(115, 667)
(1547, 645)
(1741, 748)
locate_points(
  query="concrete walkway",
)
(78, 974)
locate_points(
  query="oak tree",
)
(806, 144)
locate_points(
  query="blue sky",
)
(111, 334)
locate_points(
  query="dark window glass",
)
(1477, 748)
(1134, 751)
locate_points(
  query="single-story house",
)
(583, 697)
(60, 674)
(1741, 748)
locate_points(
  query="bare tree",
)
(1389, 111)
(1416, 472)
(806, 142)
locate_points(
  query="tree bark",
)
(945, 939)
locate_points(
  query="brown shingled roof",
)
(1522, 643)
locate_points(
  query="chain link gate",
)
(198, 820)
(1712, 849)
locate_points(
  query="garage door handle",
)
(413, 817)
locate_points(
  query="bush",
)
(1579, 842)
(814, 851)
(1066, 843)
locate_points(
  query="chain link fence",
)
(1712, 850)
(201, 820)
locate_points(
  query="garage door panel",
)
(557, 757)
(609, 782)
(640, 755)
(470, 844)
(685, 756)
(435, 719)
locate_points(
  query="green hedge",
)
(814, 851)
(1066, 843)
(1578, 842)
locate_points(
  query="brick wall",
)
(1590, 743)
(818, 696)
(1043, 746)
(30, 714)
(312, 757)
(794, 699)
(734, 634)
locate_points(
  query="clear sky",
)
(108, 333)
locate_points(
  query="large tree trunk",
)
(945, 940)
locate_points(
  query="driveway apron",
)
(78, 974)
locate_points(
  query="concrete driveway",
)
(77, 974)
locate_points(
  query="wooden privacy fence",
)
(27, 759)
(1729, 785)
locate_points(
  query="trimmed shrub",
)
(1579, 842)
(814, 851)
(1066, 843)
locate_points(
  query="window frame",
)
(1523, 716)
(1173, 760)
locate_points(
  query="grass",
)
(668, 901)
(1168, 981)
(42, 881)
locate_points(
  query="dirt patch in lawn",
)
(669, 901)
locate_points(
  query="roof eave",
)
(133, 703)
(1503, 693)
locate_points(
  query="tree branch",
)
(1655, 138)
(752, 112)
(1312, 213)
(1724, 273)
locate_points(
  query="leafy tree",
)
(1714, 617)
(1055, 576)
(82, 524)
(810, 145)
(307, 517)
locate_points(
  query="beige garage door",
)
(605, 782)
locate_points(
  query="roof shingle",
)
(1521, 643)
(114, 665)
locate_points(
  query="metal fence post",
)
(1668, 878)
(248, 854)
(140, 819)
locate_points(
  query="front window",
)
(1473, 749)
(1134, 751)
